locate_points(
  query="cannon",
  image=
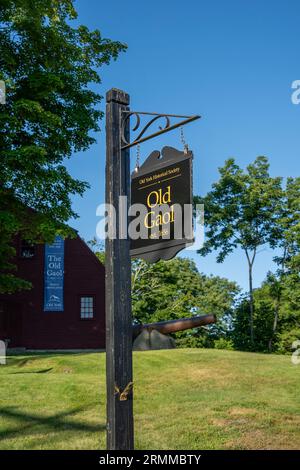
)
(154, 335)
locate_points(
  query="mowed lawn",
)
(183, 399)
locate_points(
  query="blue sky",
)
(232, 62)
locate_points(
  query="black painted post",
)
(118, 285)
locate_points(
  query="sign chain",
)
(137, 163)
(183, 141)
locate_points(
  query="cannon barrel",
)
(171, 326)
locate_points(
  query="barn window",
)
(86, 307)
(27, 249)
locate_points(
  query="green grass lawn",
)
(184, 399)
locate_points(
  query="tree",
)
(242, 210)
(262, 321)
(275, 289)
(289, 224)
(284, 285)
(276, 316)
(48, 66)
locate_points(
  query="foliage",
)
(242, 210)
(51, 111)
(262, 323)
(284, 286)
(223, 343)
(274, 297)
(289, 224)
(287, 338)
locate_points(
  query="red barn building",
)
(26, 321)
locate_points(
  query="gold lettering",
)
(149, 204)
(146, 221)
(167, 196)
(158, 197)
(172, 219)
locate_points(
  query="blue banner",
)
(54, 276)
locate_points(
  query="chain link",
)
(183, 141)
(137, 163)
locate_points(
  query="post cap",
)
(118, 96)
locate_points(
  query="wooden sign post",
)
(119, 381)
(118, 285)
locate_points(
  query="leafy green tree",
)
(276, 300)
(262, 322)
(289, 223)
(286, 313)
(284, 286)
(275, 292)
(51, 111)
(241, 211)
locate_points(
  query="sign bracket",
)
(126, 114)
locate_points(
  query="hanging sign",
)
(161, 205)
(54, 276)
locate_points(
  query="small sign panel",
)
(162, 187)
(54, 276)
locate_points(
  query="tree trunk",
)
(275, 323)
(278, 300)
(250, 260)
(251, 320)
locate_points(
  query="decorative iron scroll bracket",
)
(156, 116)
